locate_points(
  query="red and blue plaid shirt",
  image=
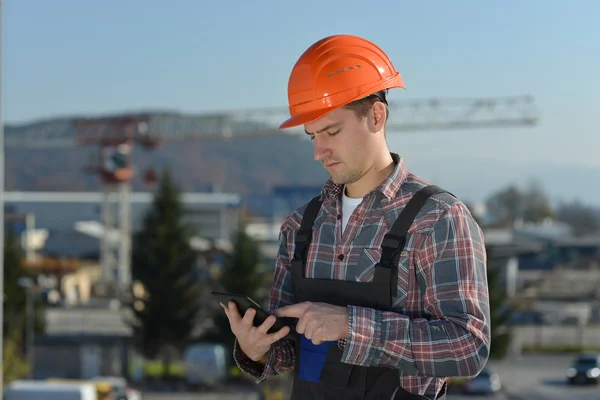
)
(442, 331)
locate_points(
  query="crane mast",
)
(115, 138)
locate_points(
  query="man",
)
(390, 295)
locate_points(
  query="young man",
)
(385, 274)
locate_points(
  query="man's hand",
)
(319, 322)
(255, 342)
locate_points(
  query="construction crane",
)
(116, 136)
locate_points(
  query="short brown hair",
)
(362, 106)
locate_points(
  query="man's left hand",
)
(319, 322)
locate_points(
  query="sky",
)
(66, 57)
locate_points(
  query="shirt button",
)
(339, 216)
(341, 256)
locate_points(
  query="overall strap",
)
(304, 234)
(394, 241)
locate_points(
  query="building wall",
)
(80, 357)
(213, 219)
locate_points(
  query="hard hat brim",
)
(304, 118)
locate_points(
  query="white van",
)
(42, 390)
(205, 365)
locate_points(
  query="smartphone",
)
(243, 303)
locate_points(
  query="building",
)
(71, 221)
(84, 336)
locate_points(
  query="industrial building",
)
(68, 224)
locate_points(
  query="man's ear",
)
(378, 117)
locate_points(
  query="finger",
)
(249, 317)
(317, 335)
(280, 334)
(233, 311)
(301, 326)
(226, 310)
(267, 324)
(293, 311)
(232, 307)
(311, 329)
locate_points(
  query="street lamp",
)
(27, 284)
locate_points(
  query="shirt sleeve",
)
(454, 340)
(282, 353)
(278, 362)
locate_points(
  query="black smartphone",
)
(243, 303)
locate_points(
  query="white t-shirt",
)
(348, 206)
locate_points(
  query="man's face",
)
(343, 143)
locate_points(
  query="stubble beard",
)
(344, 177)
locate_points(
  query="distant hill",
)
(253, 166)
(248, 166)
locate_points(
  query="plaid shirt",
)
(440, 331)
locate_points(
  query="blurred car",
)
(585, 369)
(487, 382)
(45, 390)
(120, 389)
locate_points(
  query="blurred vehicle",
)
(104, 390)
(44, 390)
(585, 369)
(205, 365)
(487, 382)
(120, 389)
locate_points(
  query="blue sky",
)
(72, 56)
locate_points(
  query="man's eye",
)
(333, 133)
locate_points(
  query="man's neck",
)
(374, 177)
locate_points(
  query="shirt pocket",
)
(363, 270)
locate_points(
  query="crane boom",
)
(405, 116)
(115, 136)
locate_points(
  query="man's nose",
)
(321, 150)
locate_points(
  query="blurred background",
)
(144, 168)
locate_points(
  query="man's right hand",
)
(254, 341)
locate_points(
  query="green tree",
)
(15, 322)
(501, 310)
(165, 316)
(241, 267)
(15, 294)
(240, 274)
(530, 205)
(506, 205)
(583, 219)
(15, 364)
(537, 204)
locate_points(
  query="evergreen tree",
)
(15, 363)
(163, 262)
(15, 295)
(241, 268)
(240, 274)
(15, 322)
(501, 311)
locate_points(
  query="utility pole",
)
(1, 210)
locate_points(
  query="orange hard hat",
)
(335, 71)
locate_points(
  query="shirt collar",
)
(388, 188)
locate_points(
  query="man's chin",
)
(337, 180)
